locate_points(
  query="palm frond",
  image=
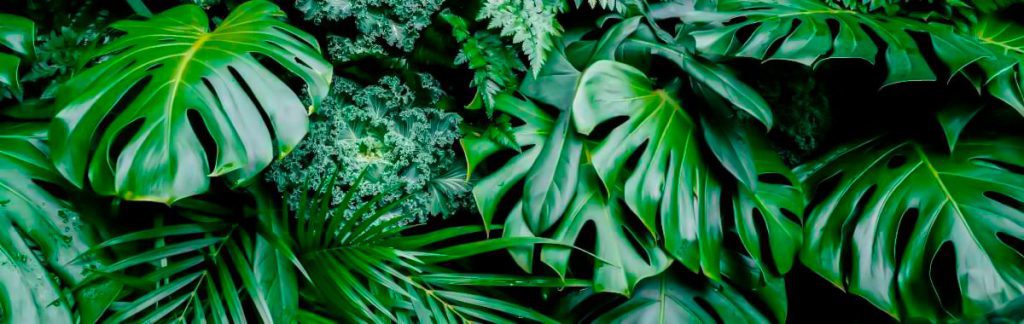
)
(357, 260)
(201, 262)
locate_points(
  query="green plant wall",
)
(553, 161)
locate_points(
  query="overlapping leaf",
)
(811, 40)
(361, 270)
(627, 255)
(671, 188)
(127, 122)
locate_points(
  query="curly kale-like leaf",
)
(181, 70)
(404, 141)
(380, 25)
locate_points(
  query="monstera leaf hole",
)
(943, 275)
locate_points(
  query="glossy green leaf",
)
(18, 35)
(548, 167)
(34, 220)
(886, 210)
(717, 78)
(997, 48)
(362, 270)
(954, 118)
(210, 263)
(629, 255)
(671, 188)
(184, 73)
(812, 40)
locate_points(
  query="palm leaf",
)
(209, 264)
(357, 260)
(680, 297)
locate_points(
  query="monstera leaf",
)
(548, 165)
(628, 255)
(993, 46)
(888, 213)
(678, 297)
(999, 71)
(18, 35)
(768, 199)
(812, 39)
(42, 238)
(133, 121)
(671, 188)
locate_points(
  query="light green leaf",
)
(185, 73)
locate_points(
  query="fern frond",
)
(530, 23)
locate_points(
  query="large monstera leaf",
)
(128, 121)
(671, 189)
(16, 34)
(42, 238)
(887, 210)
(678, 297)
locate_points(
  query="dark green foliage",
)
(59, 52)
(800, 104)
(403, 141)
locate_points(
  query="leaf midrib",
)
(176, 82)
